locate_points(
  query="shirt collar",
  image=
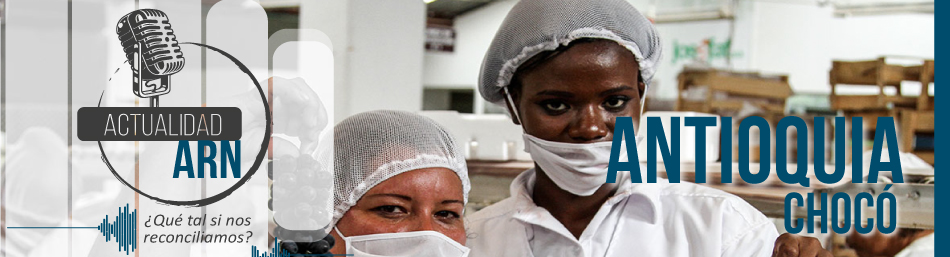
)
(643, 197)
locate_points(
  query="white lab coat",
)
(662, 219)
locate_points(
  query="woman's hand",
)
(789, 245)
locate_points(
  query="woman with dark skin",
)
(575, 97)
(566, 95)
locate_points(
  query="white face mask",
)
(404, 244)
(577, 168)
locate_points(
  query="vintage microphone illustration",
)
(152, 51)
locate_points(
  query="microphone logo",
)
(154, 54)
(152, 50)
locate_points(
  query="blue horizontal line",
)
(47, 227)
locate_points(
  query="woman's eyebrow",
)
(616, 90)
(403, 197)
(452, 201)
(556, 93)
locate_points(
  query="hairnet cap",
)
(371, 147)
(535, 26)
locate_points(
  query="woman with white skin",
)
(566, 69)
(400, 186)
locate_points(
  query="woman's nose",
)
(425, 223)
(590, 125)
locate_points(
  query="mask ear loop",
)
(338, 232)
(511, 106)
(643, 98)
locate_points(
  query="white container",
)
(687, 136)
(488, 137)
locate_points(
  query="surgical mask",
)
(577, 168)
(404, 244)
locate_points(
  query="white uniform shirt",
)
(922, 247)
(658, 219)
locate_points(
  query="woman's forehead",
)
(435, 182)
(602, 52)
(585, 64)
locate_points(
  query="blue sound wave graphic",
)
(275, 252)
(278, 252)
(123, 229)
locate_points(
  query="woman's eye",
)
(554, 106)
(389, 210)
(615, 103)
(447, 214)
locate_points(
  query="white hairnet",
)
(535, 26)
(372, 147)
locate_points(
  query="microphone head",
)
(150, 30)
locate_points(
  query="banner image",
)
(278, 128)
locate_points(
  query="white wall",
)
(475, 30)
(378, 52)
(803, 39)
(686, 33)
(794, 38)
(386, 47)
(473, 34)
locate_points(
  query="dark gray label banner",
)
(159, 123)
